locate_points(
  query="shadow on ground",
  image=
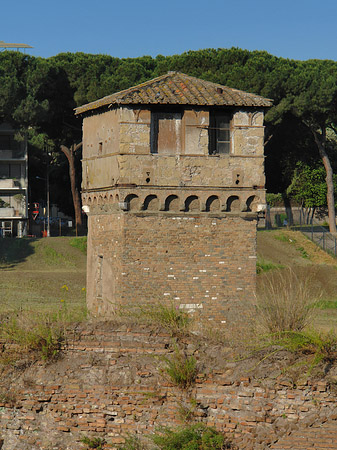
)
(14, 251)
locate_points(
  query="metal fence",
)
(311, 228)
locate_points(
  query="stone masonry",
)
(109, 383)
(173, 180)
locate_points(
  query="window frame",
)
(156, 115)
(215, 115)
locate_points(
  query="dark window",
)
(219, 133)
(10, 171)
(7, 142)
(4, 170)
(166, 133)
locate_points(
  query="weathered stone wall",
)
(116, 150)
(179, 225)
(109, 383)
(192, 261)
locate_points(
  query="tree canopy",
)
(38, 95)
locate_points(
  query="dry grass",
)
(285, 302)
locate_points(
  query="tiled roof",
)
(176, 88)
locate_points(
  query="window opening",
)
(219, 133)
(165, 132)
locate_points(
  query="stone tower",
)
(173, 180)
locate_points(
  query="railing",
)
(317, 233)
(320, 235)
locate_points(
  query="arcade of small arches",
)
(175, 203)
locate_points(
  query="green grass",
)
(262, 265)
(316, 347)
(326, 304)
(33, 272)
(281, 237)
(80, 243)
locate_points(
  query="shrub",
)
(181, 369)
(193, 437)
(284, 301)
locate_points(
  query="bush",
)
(181, 369)
(194, 437)
(274, 199)
(284, 302)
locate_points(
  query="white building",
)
(13, 183)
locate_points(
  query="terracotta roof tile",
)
(176, 88)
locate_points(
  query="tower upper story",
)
(174, 132)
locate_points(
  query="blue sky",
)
(297, 29)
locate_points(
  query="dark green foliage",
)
(308, 186)
(194, 437)
(41, 93)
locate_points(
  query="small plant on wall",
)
(180, 368)
(93, 442)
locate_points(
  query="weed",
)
(303, 253)
(80, 243)
(40, 334)
(133, 442)
(283, 238)
(181, 369)
(326, 304)
(263, 265)
(197, 436)
(8, 397)
(93, 442)
(186, 413)
(283, 302)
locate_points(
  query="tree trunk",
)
(70, 154)
(320, 142)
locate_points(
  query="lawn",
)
(42, 274)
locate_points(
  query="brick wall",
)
(195, 262)
(109, 383)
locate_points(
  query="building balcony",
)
(9, 184)
(8, 155)
(7, 212)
